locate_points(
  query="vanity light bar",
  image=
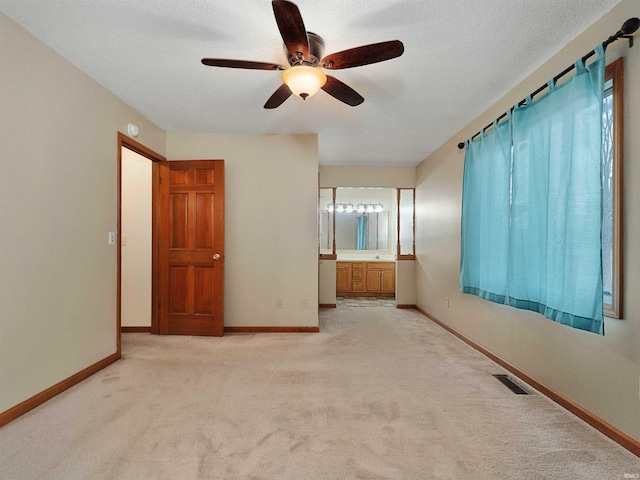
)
(360, 208)
(341, 207)
(369, 207)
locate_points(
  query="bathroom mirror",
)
(364, 218)
(406, 222)
(362, 230)
(325, 230)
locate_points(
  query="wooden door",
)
(192, 248)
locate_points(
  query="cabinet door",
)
(374, 283)
(343, 281)
(388, 281)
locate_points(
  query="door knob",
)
(216, 256)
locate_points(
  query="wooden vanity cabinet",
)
(365, 279)
(381, 277)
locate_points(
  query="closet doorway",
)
(137, 237)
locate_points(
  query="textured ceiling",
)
(460, 57)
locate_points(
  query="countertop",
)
(365, 258)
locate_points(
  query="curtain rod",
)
(628, 27)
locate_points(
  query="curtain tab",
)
(599, 51)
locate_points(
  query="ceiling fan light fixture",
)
(303, 80)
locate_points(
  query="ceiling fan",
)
(305, 54)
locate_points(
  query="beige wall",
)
(405, 282)
(271, 225)
(58, 154)
(396, 177)
(601, 374)
(327, 279)
(135, 283)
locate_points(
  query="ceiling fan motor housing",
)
(316, 52)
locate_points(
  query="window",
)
(555, 229)
(612, 189)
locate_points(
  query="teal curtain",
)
(361, 243)
(532, 205)
(555, 264)
(485, 214)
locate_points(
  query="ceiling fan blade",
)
(229, 63)
(342, 91)
(278, 97)
(364, 55)
(291, 27)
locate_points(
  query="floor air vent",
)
(514, 387)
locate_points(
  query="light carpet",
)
(379, 393)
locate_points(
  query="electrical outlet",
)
(447, 301)
(304, 303)
(112, 238)
(279, 303)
